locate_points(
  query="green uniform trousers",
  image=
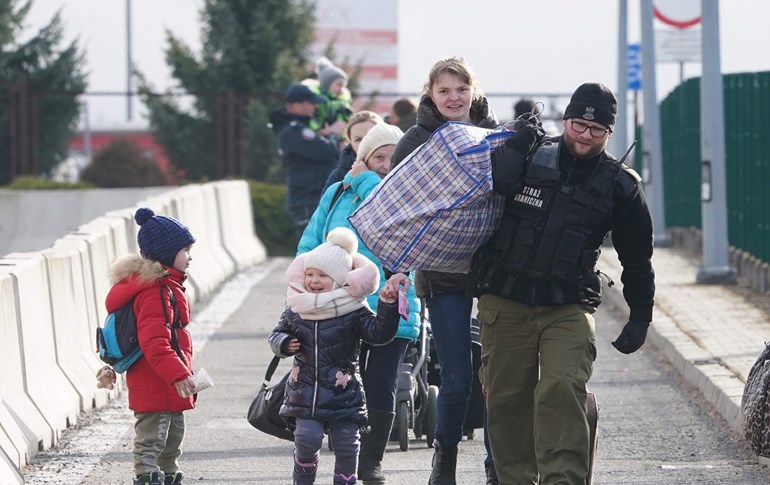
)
(536, 362)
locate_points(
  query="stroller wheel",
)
(403, 425)
(431, 413)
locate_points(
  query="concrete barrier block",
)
(74, 337)
(13, 443)
(160, 204)
(206, 270)
(45, 382)
(237, 223)
(87, 277)
(213, 232)
(23, 425)
(9, 474)
(131, 227)
(99, 260)
(93, 307)
(114, 229)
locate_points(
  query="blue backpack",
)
(117, 342)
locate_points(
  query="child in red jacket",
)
(159, 384)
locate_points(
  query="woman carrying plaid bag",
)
(452, 93)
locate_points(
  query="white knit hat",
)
(378, 136)
(334, 257)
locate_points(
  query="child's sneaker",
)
(173, 478)
(154, 478)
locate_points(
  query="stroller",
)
(415, 398)
(418, 384)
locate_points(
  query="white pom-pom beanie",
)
(335, 256)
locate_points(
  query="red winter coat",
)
(151, 379)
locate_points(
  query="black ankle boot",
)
(444, 465)
(373, 446)
(154, 478)
(304, 473)
(492, 475)
(174, 478)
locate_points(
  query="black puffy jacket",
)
(325, 384)
(427, 283)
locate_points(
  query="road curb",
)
(719, 385)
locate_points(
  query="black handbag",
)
(263, 412)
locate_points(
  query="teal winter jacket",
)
(327, 217)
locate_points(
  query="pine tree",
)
(251, 51)
(52, 75)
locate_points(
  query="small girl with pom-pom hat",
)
(326, 318)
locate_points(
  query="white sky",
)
(515, 46)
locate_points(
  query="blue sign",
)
(634, 67)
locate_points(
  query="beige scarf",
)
(321, 306)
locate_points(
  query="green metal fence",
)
(747, 162)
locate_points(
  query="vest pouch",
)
(568, 256)
(523, 240)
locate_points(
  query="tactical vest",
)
(549, 235)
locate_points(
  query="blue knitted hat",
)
(161, 237)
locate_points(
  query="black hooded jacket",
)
(429, 120)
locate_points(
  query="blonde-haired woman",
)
(452, 93)
(357, 127)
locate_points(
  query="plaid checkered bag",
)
(437, 207)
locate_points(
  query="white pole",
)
(129, 61)
(620, 135)
(715, 267)
(653, 155)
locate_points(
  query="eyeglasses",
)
(595, 131)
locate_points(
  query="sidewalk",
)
(711, 333)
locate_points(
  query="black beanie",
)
(593, 102)
(161, 237)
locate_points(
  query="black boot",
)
(444, 465)
(154, 478)
(304, 473)
(173, 478)
(373, 446)
(492, 475)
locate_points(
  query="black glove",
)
(631, 337)
(522, 121)
(525, 139)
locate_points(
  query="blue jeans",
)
(450, 317)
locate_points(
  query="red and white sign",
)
(677, 13)
(364, 32)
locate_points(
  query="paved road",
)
(654, 427)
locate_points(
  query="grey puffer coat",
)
(324, 383)
(428, 283)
